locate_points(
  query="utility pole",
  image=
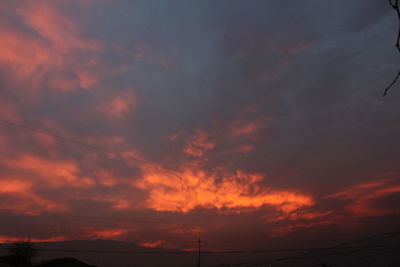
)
(199, 253)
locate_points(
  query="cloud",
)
(266, 121)
(152, 244)
(183, 229)
(198, 144)
(364, 197)
(348, 206)
(53, 172)
(18, 196)
(108, 234)
(6, 239)
(193, 188)
(46, 48)
(245, 127)
(118, 105)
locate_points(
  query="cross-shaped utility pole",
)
(199, 251)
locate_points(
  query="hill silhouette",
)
(110, 253)
(107, 253)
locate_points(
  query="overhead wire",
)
(316, 252)
(103, 150)
(362, 257)
(125, 219)
(70, 140)
(140, 162)
(395, 246)
(375, 239)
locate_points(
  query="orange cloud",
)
(284, 230)
(21, 53)
(8, 111)
(54, 172)
(199, 144)
(55, 26)
(10, 239)
(364, 195)
(362, 200)
(245, 127)
(183, 229)
(173, 136)
(107, 234)
(22, 199)
(241, 132)
(118, 105)
(245, 149)
(227, 192)
(147, 52)
(105, 177)
(87, 78)
(14, 186)
(118, 202)
(152, 244)
(51, 53)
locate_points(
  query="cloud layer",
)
(159, 122)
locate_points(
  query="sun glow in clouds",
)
(227, 192)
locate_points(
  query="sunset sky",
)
(248, 124)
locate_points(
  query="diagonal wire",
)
(314, 253)
(70, 140)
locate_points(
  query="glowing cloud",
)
(105, 234)
(152, 244)
(227, 192)
(361, 200)
(9, 239)
(50, 53)
(118, 105)
(245, 127)
(363, 197)
(198, 144)
(183, 229)
(14, 186)
(54, 172)
(22, 199)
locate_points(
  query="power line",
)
(296, 257)
(286, 258)
(314, 253)
(291, 250)
(171, 252)
(70, 140)
(362, 257)
(112, 251)
(101, 218)
(358, 250)
(140, 162)
(385, 236)
(375, 238)
(382, 236)
(103, 150)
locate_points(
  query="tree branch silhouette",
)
(395, 6)
(21, 252)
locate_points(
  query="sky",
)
(249, 124)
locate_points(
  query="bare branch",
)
(391, 84)
(395, 5)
